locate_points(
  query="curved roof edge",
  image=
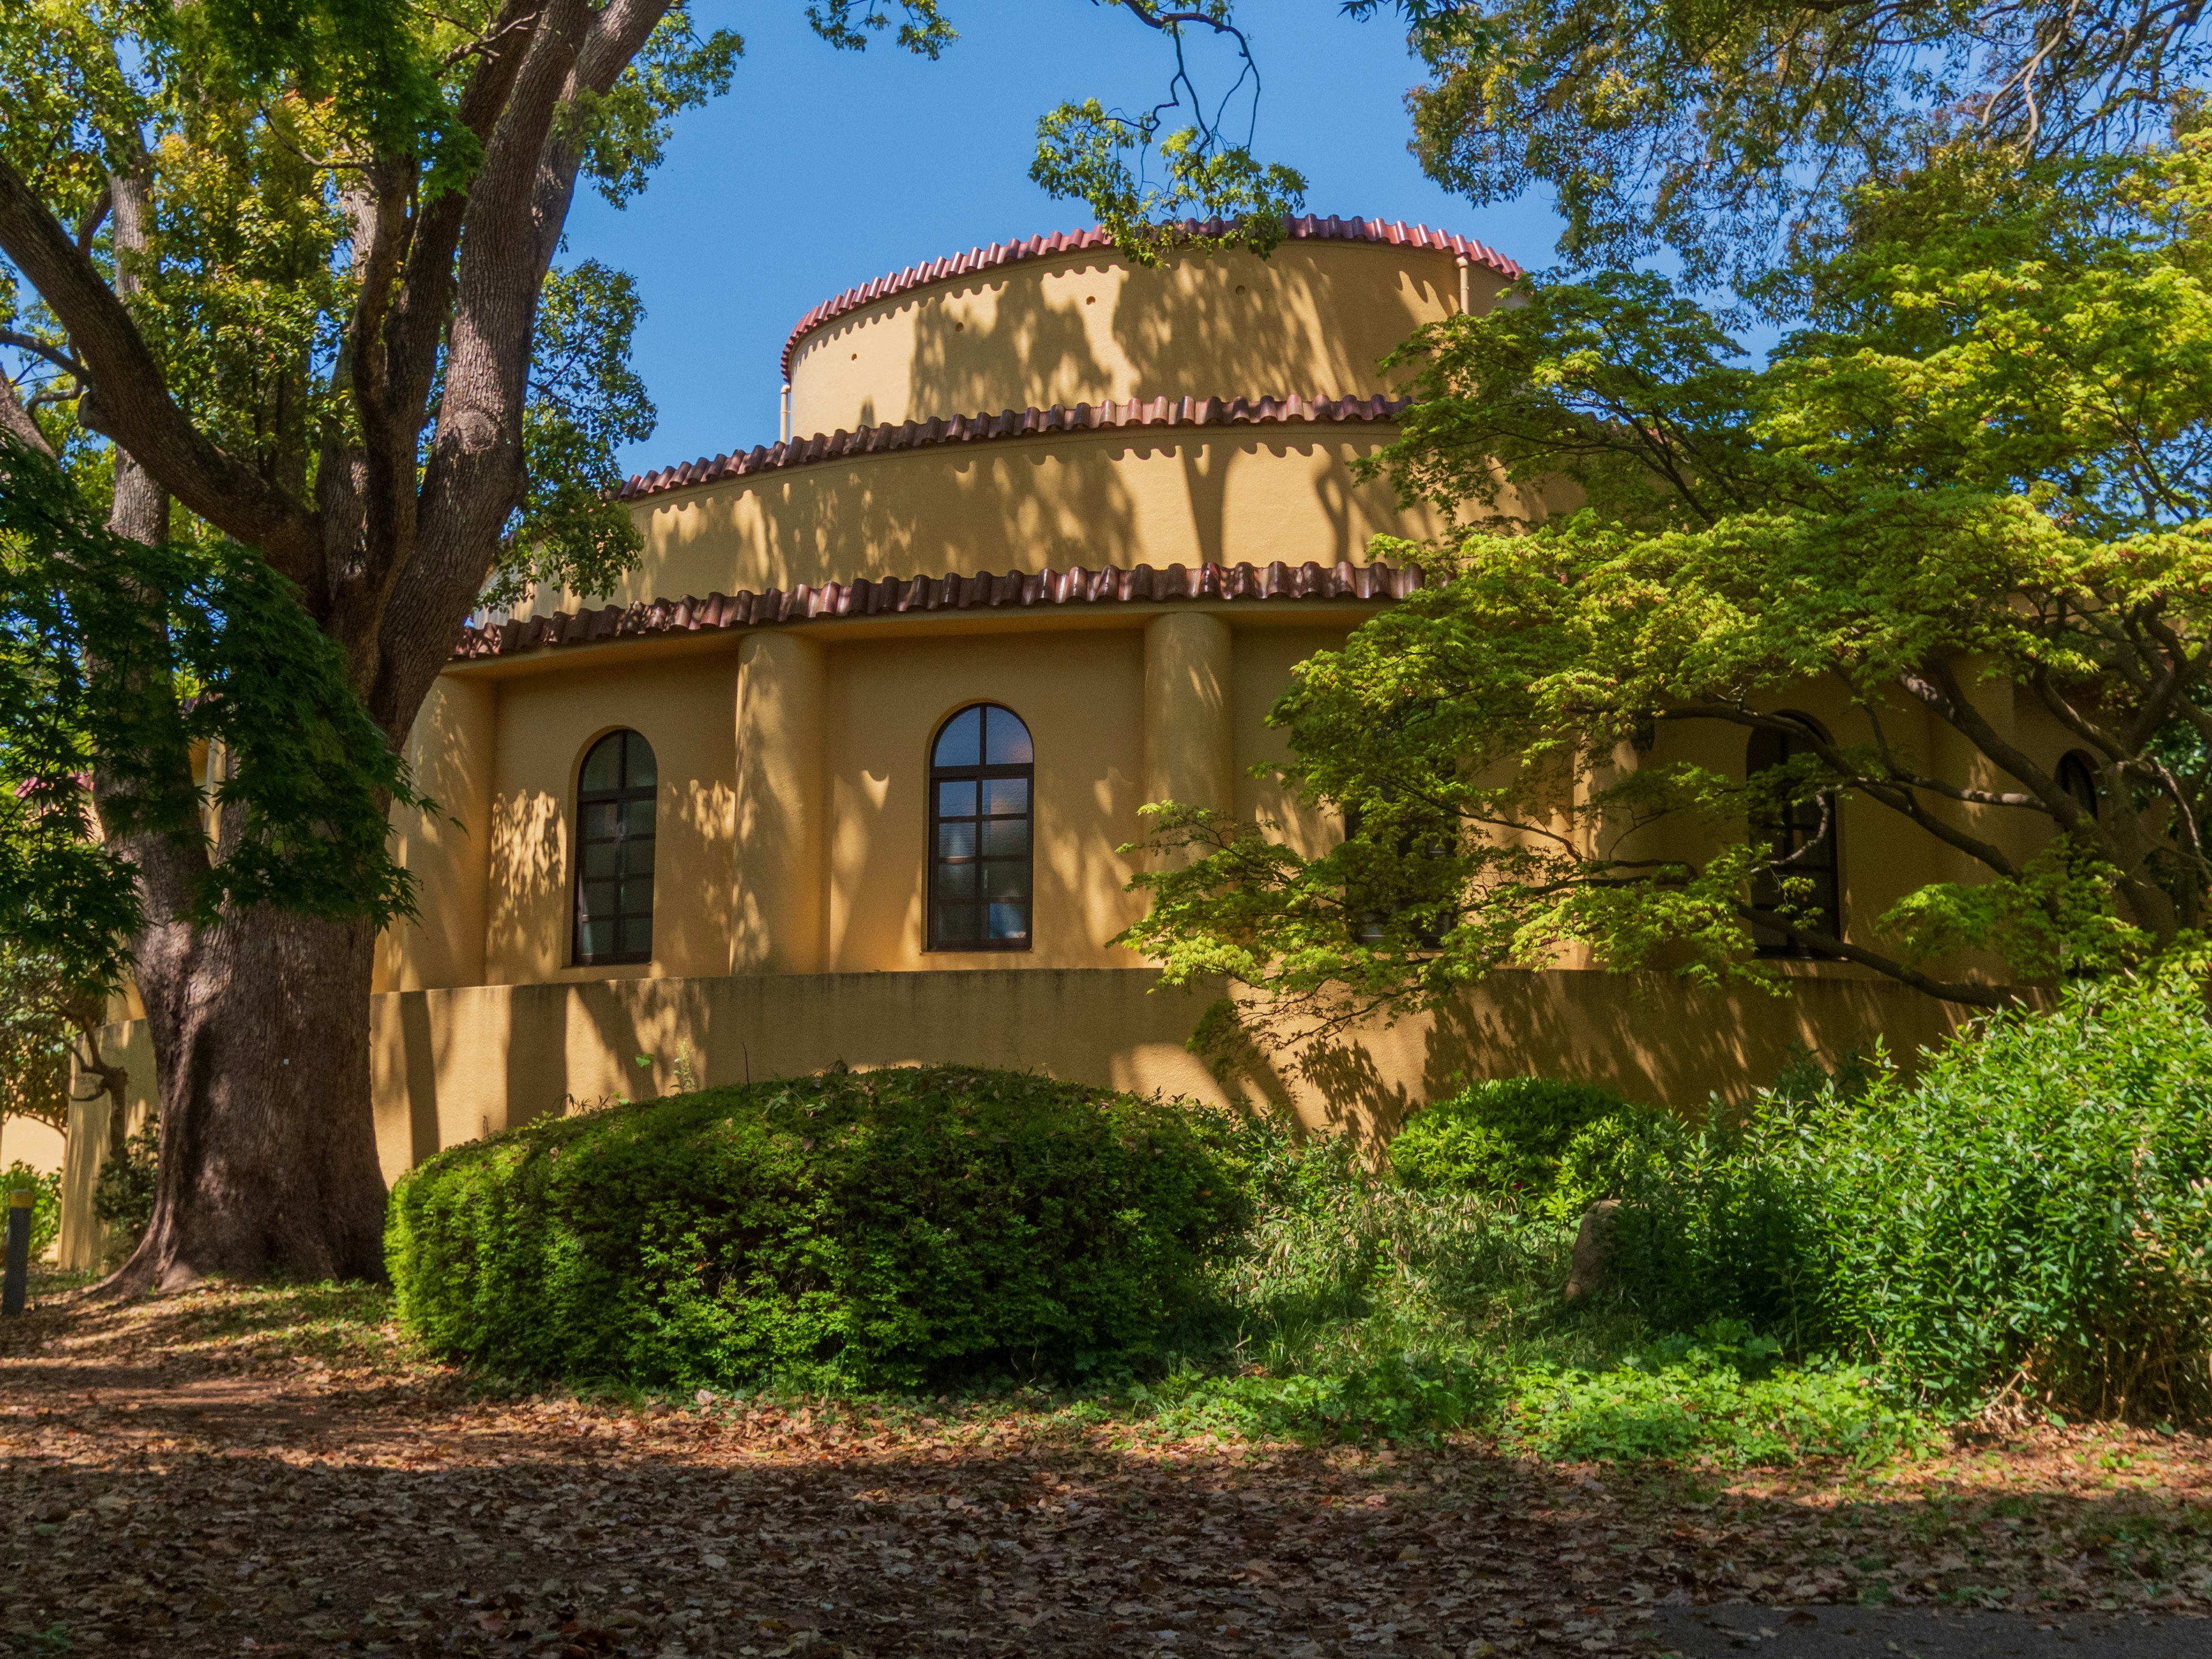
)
(1011, 423)
(894, 596)
(1310, 229)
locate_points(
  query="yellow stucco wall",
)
(1156, 496)
(453, 1064)
(1314, 317)
(687, 710)
(792, 817)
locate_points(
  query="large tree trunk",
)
(268, 1161)
(259, 1023)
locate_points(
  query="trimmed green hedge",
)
(867, 1228)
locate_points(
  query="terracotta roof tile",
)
(1011, 423)
(1310, 228)
(896, 596)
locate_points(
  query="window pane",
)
(599, 939)
(599, 898)
(961, 744)
(1002, 796)
(638, 773)
(601, 821)
(599, 858)
(956, 800)
(1009, 920)
(603, 766)
(637, 937)
(637, 817)
(956, 841)
(956, 881)
(637, 896)
(1006, 740)
(1006, 837)
(1008, 880)
(637, 856)
(956, 923)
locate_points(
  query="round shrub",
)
(1502, 1139)
(864, 1228)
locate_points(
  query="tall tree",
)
(1981, 471)
(1714, 130)
(299, 328)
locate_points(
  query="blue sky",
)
(822, 169)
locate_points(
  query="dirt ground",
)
(271, 1471)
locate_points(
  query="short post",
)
(20, 1203)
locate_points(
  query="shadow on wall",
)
(972, 341)
(508, 1053)
(529, 872)
(1253, 324)
(1653, 1037)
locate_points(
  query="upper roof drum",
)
(1068, 320)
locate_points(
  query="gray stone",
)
(1586, 1270)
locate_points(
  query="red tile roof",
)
(1013, 423)
(894, 596)
(1310, 228)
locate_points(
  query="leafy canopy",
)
(1719, 130)
(1978, 473)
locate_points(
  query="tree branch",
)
(132, 404)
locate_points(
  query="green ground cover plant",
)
(894, 1227)
(2030, 1219)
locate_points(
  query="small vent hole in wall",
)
(1091, 298)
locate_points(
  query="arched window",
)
(2077, 776)
(614, 851)
(981, 771)
(1804, 882)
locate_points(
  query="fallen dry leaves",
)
(271, 1471)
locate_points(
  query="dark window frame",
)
(619, 798)
(937, 905)
(1769, 747)
(2077, 774)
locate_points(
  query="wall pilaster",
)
(782, 814)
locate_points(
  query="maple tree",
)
(1981, 468)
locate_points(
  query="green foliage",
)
(47, 1212)
(42, 1011)
(1503, 1139)
(1352, 1308)
(312, 772)
(1714, 1397)
(2032, 1216)
(888, 1226)
(1932, 498)
(1720, 131)
(585, 402)
(123, 1196)
(1247, 203)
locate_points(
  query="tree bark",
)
(268, 1159)
(259, 1024)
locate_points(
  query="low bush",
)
(2033, 1216)
(45, 1207)
(1505, 1140)
(887, 1227)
